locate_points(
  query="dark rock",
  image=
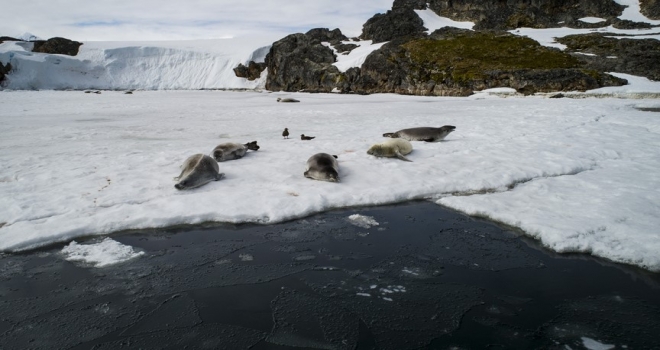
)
(299, 62)
(650, 8)
(548, 80)
(345, 48)
(396, 23)
(631, 56)
(4, 70)
(626, 24)
(334, 37)
(455, 62)
(60, 46)
(7, 38)
(251, 72)
(516, 13)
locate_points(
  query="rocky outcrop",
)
(7, 38)
(4, 70)
(57, 45)
(524, 13)
(455, 62)
(250, 72)
(631, 56)
(650, 8)
(399, 22)
(299, 62)
(334, 37)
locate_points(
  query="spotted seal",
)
(279, 99)
(230, 150)
(197, 170)
(394, 148)
(322, 166)
(427, 134)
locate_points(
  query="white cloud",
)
(174, 20)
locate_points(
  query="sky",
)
(124, 20)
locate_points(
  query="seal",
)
(322, 166)
(230, 150)
(427, 134)
(394, 148)
(198, 170)
(307, 138)
(287, 100)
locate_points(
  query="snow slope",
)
(175, 65)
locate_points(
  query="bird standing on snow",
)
(285, 133)
(303, 137)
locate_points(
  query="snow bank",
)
(578, 174)
(357, 56)
(183, 65)
(433, 22)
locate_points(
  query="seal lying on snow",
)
(322, 166)
(279, 99)
(427, 134)
(198, 170)
(394, 148)
(230, 150)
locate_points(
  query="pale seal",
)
(197, 170)
(394, 148)
(322, 166)
(287, 100)
(427, 134)
(230, 150)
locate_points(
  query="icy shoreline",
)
(577, 174)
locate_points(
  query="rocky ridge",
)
(454, 62)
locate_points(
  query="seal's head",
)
(252, 146)
(324, 174)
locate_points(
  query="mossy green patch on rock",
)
(467, 57)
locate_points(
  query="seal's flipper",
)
(430, 139)
(400, 156)
(335, 156)
(219, 176)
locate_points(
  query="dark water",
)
(424, 278)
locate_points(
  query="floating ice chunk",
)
(363, 220)
(595, 345)
(105, 253)
(246, 257)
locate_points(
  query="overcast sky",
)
(103, 20)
